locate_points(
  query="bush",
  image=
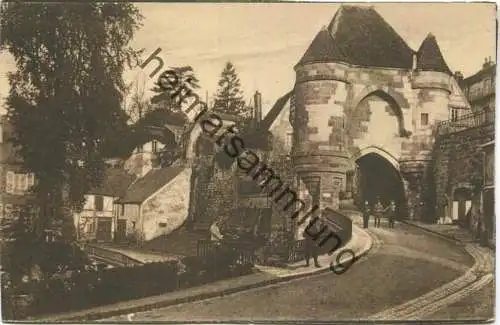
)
(86, 289)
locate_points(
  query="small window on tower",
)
(424, 119)
(289, 140)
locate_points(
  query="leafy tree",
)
(229, 96)
(173, 88)
(65, 96)
(16, 236)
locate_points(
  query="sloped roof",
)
(360, 36)
(490, 70)
(259, 136)
(275, 111)
(322, 49)
(115, 183)
(146, 186)
(429, 57)
(457, 97)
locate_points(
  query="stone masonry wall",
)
(458, 163)
(216, 193)
(350, 109)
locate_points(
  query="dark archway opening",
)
(379, 178)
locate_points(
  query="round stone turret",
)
(319, 149)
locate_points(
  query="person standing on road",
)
(215, 234)
(366, 214)
(378, 211)
(310, 245)
(391, 214)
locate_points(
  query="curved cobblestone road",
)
(405, 263)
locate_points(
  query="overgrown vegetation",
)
(65, 104)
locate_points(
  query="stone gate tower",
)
(361, 90)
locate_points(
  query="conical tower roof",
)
(429, 57)
(359, 36)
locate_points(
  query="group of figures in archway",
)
(379, 182)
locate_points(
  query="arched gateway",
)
(378, 176)
(353, 92)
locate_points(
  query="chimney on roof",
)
(257, 100)
(459, 77)
(487, 63)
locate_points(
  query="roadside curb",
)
(435, 233)
(470, 281)
(90, 316)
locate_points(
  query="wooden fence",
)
(244, 249)
(110, 257)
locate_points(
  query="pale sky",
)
(265, 41)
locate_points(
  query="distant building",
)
(138, 198)
(97, 219)
(480, 87)
(15, 180)
(155, 204)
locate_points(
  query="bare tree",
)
(139, 103)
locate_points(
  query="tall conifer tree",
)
(229, 96)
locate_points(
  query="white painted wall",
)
(454, 214)
(90, 203)
(140, 162)
(132, 216)
(169, 206)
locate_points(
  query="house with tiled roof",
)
(156, 203)
(97, 219)
(122, 205)
(480, 87)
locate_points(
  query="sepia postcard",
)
(247, 162)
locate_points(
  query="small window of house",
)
(8, 209)
(18, 183)
(454, 114)
(424, 119)
(24, 182)
(31, 179)
(9, 186)
(91, 225)
(486, 86)
(99, 203)
(154, 146)
(122, 209)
